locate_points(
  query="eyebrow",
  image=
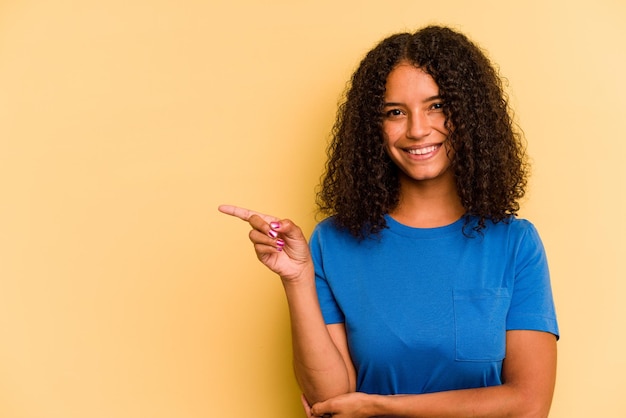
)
(429, 99)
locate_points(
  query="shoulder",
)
(328, 237)
(324, 228)
(513, 235)
(512, 227)
(328, 230)
(522, 241)
(323, 231)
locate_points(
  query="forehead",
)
(407, 79)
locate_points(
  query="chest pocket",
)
(480, 323)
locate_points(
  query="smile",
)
(422, 151)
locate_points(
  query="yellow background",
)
(123, 124)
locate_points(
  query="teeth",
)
(422, 151)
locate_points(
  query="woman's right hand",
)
(279, 243)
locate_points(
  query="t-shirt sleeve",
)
(330, 309)
(532, 304)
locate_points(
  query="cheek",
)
(391, 132)
(439, 123)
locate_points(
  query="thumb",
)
(321, 409)
(288, 230)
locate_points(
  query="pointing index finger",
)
(243, 213)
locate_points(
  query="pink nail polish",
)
(272, 233)
(280, 242)
(274, 225)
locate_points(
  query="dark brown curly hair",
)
(361, 183)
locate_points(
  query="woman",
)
(421, 282)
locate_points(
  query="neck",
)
(428, 204)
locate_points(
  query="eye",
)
(393, 113)
(438, 106)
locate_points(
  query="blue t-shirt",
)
(427, 310)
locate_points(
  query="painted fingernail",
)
(280, 242)
(272, 233)
(274, 225)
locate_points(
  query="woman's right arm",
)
(321, 359)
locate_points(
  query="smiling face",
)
(414, 126)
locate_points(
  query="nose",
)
(418, 125)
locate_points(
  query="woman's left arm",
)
(528, 374)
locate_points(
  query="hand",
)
(279, 243)
(349, 405)
(306, 406)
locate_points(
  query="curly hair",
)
(361, 183)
